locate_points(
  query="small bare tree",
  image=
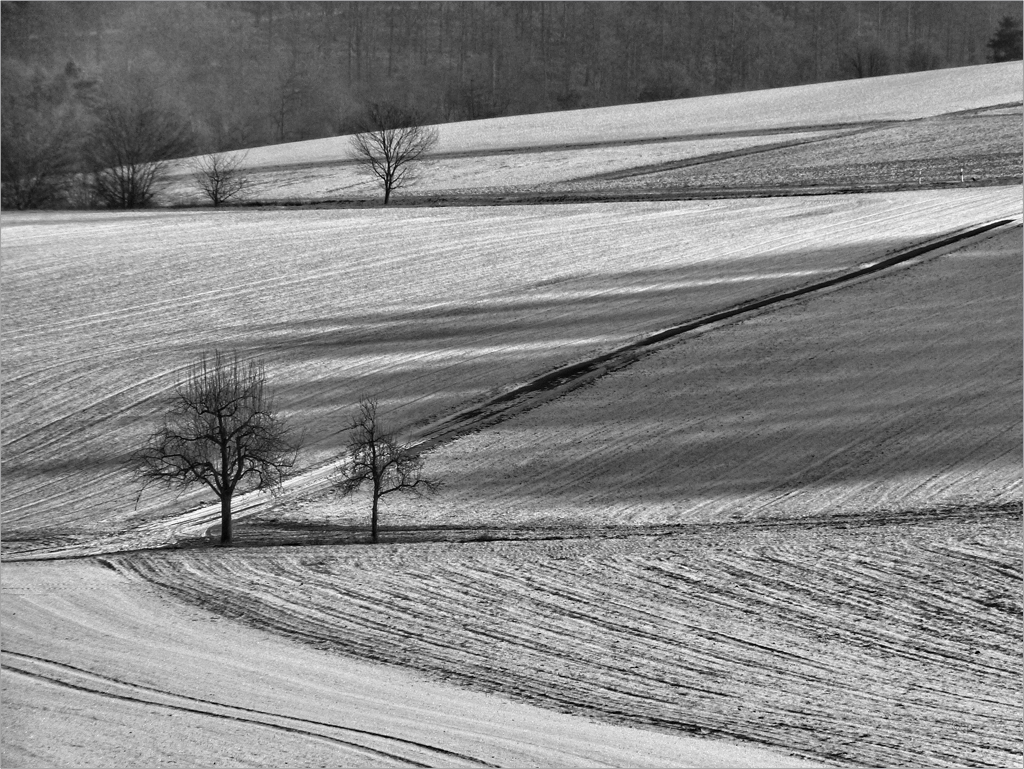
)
(391, 145)
(375, 455)
(222, 431)
(221, 177)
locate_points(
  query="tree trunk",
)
(225, 519)
(373, 520)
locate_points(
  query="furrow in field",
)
(870, 639)
(825, 640)
(899, 392)
(368, 746)
(118, 653)
(799, 108)
(489, 299)
(456, 172)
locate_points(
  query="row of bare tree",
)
(389, 149)
(222, 430)
(69, 143)
(122, 155)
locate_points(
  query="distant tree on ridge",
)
(221, 177)
(391, 145)
(1006, 43)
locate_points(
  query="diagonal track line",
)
(83, 680)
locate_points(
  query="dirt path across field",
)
(101, 669)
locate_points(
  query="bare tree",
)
(43, 123)
(131, 143)
(375, 455)
(39, 159)
(391, 146)
(221, 430)
(221, 177)
(868, 57)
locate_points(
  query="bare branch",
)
(222, 177)
(132, 141)
(222, 431)
(375, 455)
(392, 145)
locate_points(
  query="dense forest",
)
(241, 74)
(249, 73)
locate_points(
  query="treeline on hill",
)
(242, 74)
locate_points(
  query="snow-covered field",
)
(530, 151)
(100, 669)
(801, 530)
(983, 148)
(517, 170)
(797, 531)
(428, 311)
(897, 97)
(899, 393)
(870, 643)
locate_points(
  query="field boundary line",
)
(713, 157)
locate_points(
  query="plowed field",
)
(946, 152)
(899, 392)
(787, 537)
(116, 674)
(842, 578)
(543, 156)
(867, 644)
(428, 311)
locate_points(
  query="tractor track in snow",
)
(368, 743)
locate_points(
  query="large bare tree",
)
(222, 431)
(377, 457)
(221, 176)
(391, 145)
(132, 140)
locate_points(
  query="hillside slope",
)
(893, 97)
(531, 154)
(894, 395)
(430, 312)
(800, 530)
